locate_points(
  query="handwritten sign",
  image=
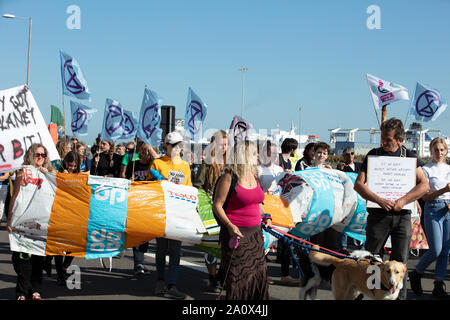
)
(21, 125)
(391, 178)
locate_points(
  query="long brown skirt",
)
(247, 274)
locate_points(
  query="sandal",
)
(21, 298)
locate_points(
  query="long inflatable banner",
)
(90, 217)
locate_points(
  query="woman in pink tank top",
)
(244, 266)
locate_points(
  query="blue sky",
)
(308, 54)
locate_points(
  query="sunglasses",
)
(42, 155)
(349, 153)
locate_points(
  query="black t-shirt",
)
(140, 170)
(285, 164)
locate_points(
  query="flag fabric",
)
(73, 82)
(130, 124)
(149, 129)
(81, 116)
(56, 116)
(384, 92)
(195, 115)
(239, 129)
(112, 128)
(427, 103)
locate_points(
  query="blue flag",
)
(130, 124)
(81, 115)
(149, 129)
(427, 103)
(73, 82)
(113, 119)
(195, 115)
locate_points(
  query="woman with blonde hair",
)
(243, 261)
(28, 267)
(208, 173)
(437, 220)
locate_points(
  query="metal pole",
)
(243, 69)
(29, 49)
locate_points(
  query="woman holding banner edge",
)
(28, 267)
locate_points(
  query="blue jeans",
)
(138, 255)
(173, 248)
(437, 227)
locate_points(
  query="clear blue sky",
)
(312, 54)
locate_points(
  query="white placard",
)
(391, 178)
(21, 125)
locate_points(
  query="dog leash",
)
(233, 244)
(296, 240)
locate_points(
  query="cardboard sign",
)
(21, 125)
(391, 178)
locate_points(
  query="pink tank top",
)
(243, 206)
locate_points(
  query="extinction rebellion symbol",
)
(196, 111)
(150, 120)
(72, 84)
(112, 124)
(78, 119)
(425, 103)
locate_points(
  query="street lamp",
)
(11, 16)
(243, 70)
(299, 122)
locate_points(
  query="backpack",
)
(231, 191)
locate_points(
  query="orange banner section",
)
(279, 210)
(70, 215)
(146, 214)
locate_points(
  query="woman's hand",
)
(268, 223)
(234, 231)
(43, 170)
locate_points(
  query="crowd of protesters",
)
(239, 175)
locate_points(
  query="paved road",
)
(97, 283)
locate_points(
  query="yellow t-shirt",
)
(176, 170)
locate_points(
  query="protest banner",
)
(21, 125)
(391, 178)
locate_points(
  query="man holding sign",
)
(388, 215)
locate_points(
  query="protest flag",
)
(130, 124)
(112, 121)
(239, 129)
(384, 92)
(81, 116)
(73, 82)
(427, 103)
(195, 115)
(149, 129)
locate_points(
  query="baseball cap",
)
(173, 137)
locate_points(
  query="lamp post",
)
(299, 119)
(243, 70)
(30, 20)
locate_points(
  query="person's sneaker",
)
(139, 270)
(21, 298)
(439, 289)
(415, 281)
(289, 281)
(172, 292)
(160, 288)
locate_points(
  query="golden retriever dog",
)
(374, 279)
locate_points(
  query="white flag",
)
(384, 92)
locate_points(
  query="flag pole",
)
(64, 118)
(132, 157)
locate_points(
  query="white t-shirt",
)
(267, 175)
(438, 176)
